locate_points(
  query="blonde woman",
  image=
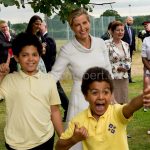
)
(79, 54)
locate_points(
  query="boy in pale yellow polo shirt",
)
(32, 100)
(101, 126)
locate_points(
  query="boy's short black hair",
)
(95, 74)
(25, 39)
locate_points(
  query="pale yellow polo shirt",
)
(108, 133)
(28, 115)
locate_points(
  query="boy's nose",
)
(30, 58)
(100, 95)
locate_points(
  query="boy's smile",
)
(98, 96)
(28, 59)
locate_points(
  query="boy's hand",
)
(79, 133)
(4, 67)
(146, 97)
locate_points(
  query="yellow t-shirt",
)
(109, 132)
(28, 115)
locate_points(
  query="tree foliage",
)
(111, 12)
(48, 7)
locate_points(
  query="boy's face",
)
(99, 97)
(28, 59)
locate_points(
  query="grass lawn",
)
(138, 126)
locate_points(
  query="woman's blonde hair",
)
(76, 13)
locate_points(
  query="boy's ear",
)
(16, 58)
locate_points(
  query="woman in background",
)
(34, 28)
(119, 55)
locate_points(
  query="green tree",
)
(111, 12)
(19, 27)
(48, 7)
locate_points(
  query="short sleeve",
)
(144, 47)
(54, 96)
(119, 114)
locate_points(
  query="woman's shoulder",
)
(125, 43)
(97, 39)
(67, 48)
(98, 42)
(108, 41)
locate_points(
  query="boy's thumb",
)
(76, 125)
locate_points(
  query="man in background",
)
(107, 35)
(5, 43)
(146, 32)
(129, 37)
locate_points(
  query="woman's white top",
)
(78, 59)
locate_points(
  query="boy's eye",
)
(97, 92)
(23, 55)
(106, 91)
(94, 92)
(35, 54)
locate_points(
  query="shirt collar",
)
(80, 47)
(24, 75)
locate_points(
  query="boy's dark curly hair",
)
(95, 74)
(25, 39)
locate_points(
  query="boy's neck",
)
(30, 73)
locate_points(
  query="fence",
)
(58, 30)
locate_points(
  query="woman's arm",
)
(59, 66)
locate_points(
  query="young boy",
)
(101, 126)
(32, 100)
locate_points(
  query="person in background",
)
(146, 32)
(82, 52)
(107, 35)
(129, 37)
(6, 38)
(33, 109)
(33, 28)
(146, 62)
(49, 58)
(102, 125)
(119, 55)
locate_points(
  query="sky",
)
(123, 7)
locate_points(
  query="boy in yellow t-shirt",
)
(101, 126)
(32, 100)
